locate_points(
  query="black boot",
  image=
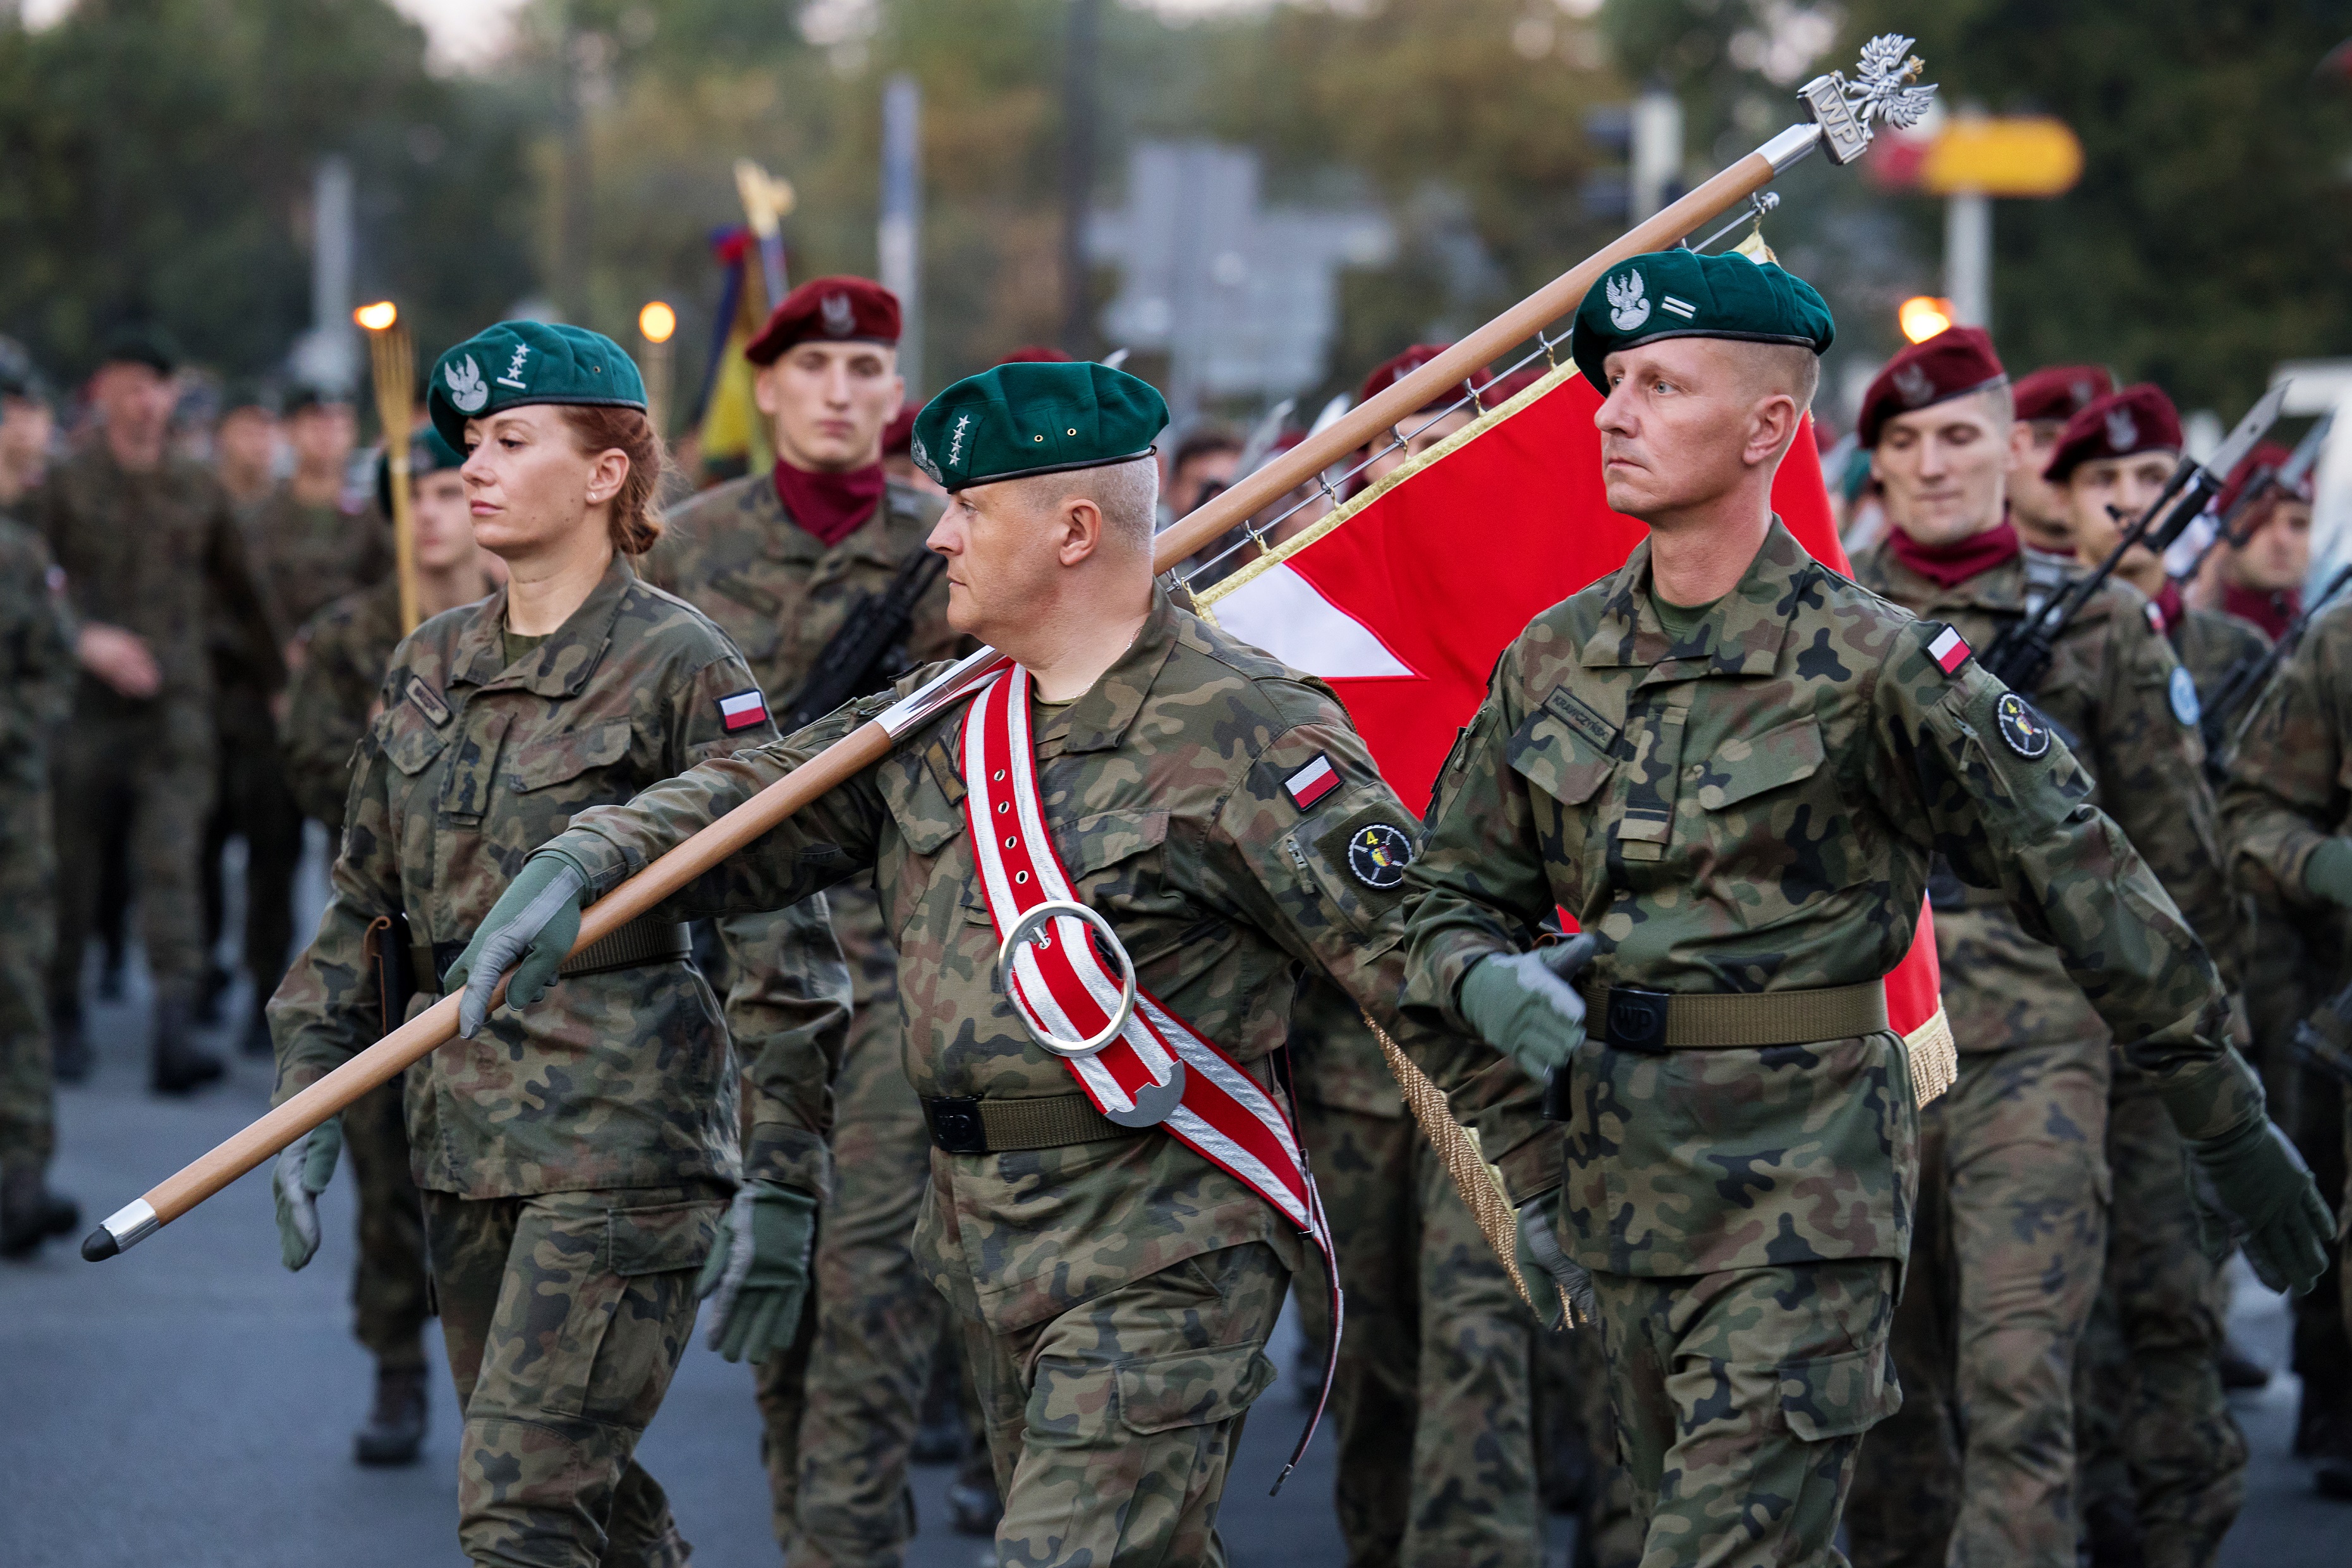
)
(176, 1066)
(30, 1213)
(394, 1432)
(2239, 1369)
(68, 1047)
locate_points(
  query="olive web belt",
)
(1634, 1018)
(961, 1125)
(641, 941)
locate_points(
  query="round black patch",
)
(1379, 854)
(2027, 732)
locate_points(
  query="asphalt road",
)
(191, 1403)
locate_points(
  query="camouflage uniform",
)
(160, 555)
(1748, 808)
(1434, 1391)
(303, 556)
(1114, 1295)
(347, 646)
(36, 666)
(2014, 1214)
(2286, 793)
(575, 1158)
(839, 1409)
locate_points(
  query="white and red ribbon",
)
(1067, 990)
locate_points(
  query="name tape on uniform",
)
(1312, 782)
(743, 709)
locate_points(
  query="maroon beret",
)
(2136, 419)
(1505, 388)
(1391, 371)
(2267, 454)
(1036, 354)
(1953, 363)
(828, 311)
(2061, 392)
(898, 435)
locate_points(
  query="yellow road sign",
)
(2015, 155)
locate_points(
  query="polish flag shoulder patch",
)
(743, 709)
(1312, 783)
(1949, 649)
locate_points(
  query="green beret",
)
(518, 362)
(428, 454)
(1682, 294)
(1012, 421)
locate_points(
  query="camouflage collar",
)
(1098, 720)
(561, 665)
(1742, 634)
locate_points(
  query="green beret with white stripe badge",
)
(1684, 294)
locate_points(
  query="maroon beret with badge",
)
(1036, 354)
(828, 311)
(1953, 363)
(1391, 371)
(2061, 391)
(2136, 419)
(898, 435)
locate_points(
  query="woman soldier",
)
(576, 1160)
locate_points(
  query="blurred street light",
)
(375, 317)
(657, 323)
(1923, 315)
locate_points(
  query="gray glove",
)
(758, 1271)
(304, 1168)
(2282, 1226)
(1523, 1004)
(2329, 873)
(535, 921)
(1546, 1268)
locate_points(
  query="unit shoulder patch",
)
(2026, 732)
(741, 710)
(2183, 693)
(1378, 853)
(1312, 782)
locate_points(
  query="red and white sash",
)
(1063, 985)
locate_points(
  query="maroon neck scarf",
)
(830, 506)
(1948, 566)
(2268, 610)
(2169, 605)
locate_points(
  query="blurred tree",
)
(160, 156)
(2212, 234)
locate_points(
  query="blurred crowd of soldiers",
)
(196, 611)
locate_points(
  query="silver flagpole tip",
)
(1880, 89)
(125, 1229)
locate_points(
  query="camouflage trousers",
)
(839, 1409)
(2153, 1424)
(390, 1297)
(1111, 1427)
(1741, 1399)
(253, 802)
(1434, 1391)
(28, 891)
(565, 1315)
(2006, 1251)
(155, 774)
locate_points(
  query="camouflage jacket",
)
(617, 1079)
(1163, 787)
(2210, 644)
(2290, 781)
(779, 591)
(37, 657)
(347, 647)
(1753, 808)
(159, 554)
(306, 557)
(2110, 691)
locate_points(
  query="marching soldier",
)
(575, 1163)
(2043, 403)
(2157, 1435)
(36, 673)
(245, 444)
(1732, 768)
(150, 550)
(1115, 1228)
(796, 565)
(1981, 1453)
(334, 700)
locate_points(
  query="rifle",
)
(854, 663)
(2289, 477)
(2021, 656)
(2247, 679)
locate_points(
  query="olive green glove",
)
(1546, 1268)
(1524, 1006)
(2329, 873)
(535, 920)
(758, 1271)
(303, 1169)
(2282, 1226)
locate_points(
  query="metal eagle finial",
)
(1844, 109)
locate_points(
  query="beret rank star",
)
(1012, 421)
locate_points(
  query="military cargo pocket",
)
(1190, 1388)
(659, 1239)
(550, 759)
(409, 740)
(1839, 1395)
